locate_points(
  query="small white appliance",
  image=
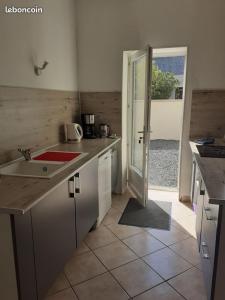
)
(73, 133)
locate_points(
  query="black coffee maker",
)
(88, 122)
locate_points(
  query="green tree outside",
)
(163, 83)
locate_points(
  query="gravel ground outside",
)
(164, 156)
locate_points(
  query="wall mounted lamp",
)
(38, 70)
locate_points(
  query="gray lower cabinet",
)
(24, 256)
(210, 230)
(45, 239)
(208, 243)
(46, 236)
(86, 199)
(54, 235)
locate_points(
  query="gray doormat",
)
(156, 214)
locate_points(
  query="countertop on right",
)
(213, 173)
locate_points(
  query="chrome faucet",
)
(26, 153)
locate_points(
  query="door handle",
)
(150, 131)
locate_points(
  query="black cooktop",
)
(211, 151)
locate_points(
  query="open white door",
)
(139, 105)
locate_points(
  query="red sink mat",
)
(57, 156)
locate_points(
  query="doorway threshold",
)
(162, 188)
(163, 195)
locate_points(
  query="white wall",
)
(29, 39)
(106, 28)
(166, 119)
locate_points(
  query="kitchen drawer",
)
(207, 267)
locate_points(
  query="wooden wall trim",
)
(208, 91)
(207, 113)
(107, 106)
(34, 118)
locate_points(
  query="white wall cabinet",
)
(104, 184)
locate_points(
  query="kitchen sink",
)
(45, 165)
(31, 169)
(211, 151)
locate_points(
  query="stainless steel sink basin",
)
(37, 168)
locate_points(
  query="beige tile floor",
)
(118, 262)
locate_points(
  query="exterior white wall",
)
(107, 28)
(30, 39)
(166, 119)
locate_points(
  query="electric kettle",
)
(73, 133)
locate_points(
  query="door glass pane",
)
(139, 78)
(138, 101)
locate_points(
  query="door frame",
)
(124, 103)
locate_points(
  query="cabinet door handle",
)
(205, 254)
(77, 183)
(202, 191)
(71, 187)
(208, 217)
(199, 183)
